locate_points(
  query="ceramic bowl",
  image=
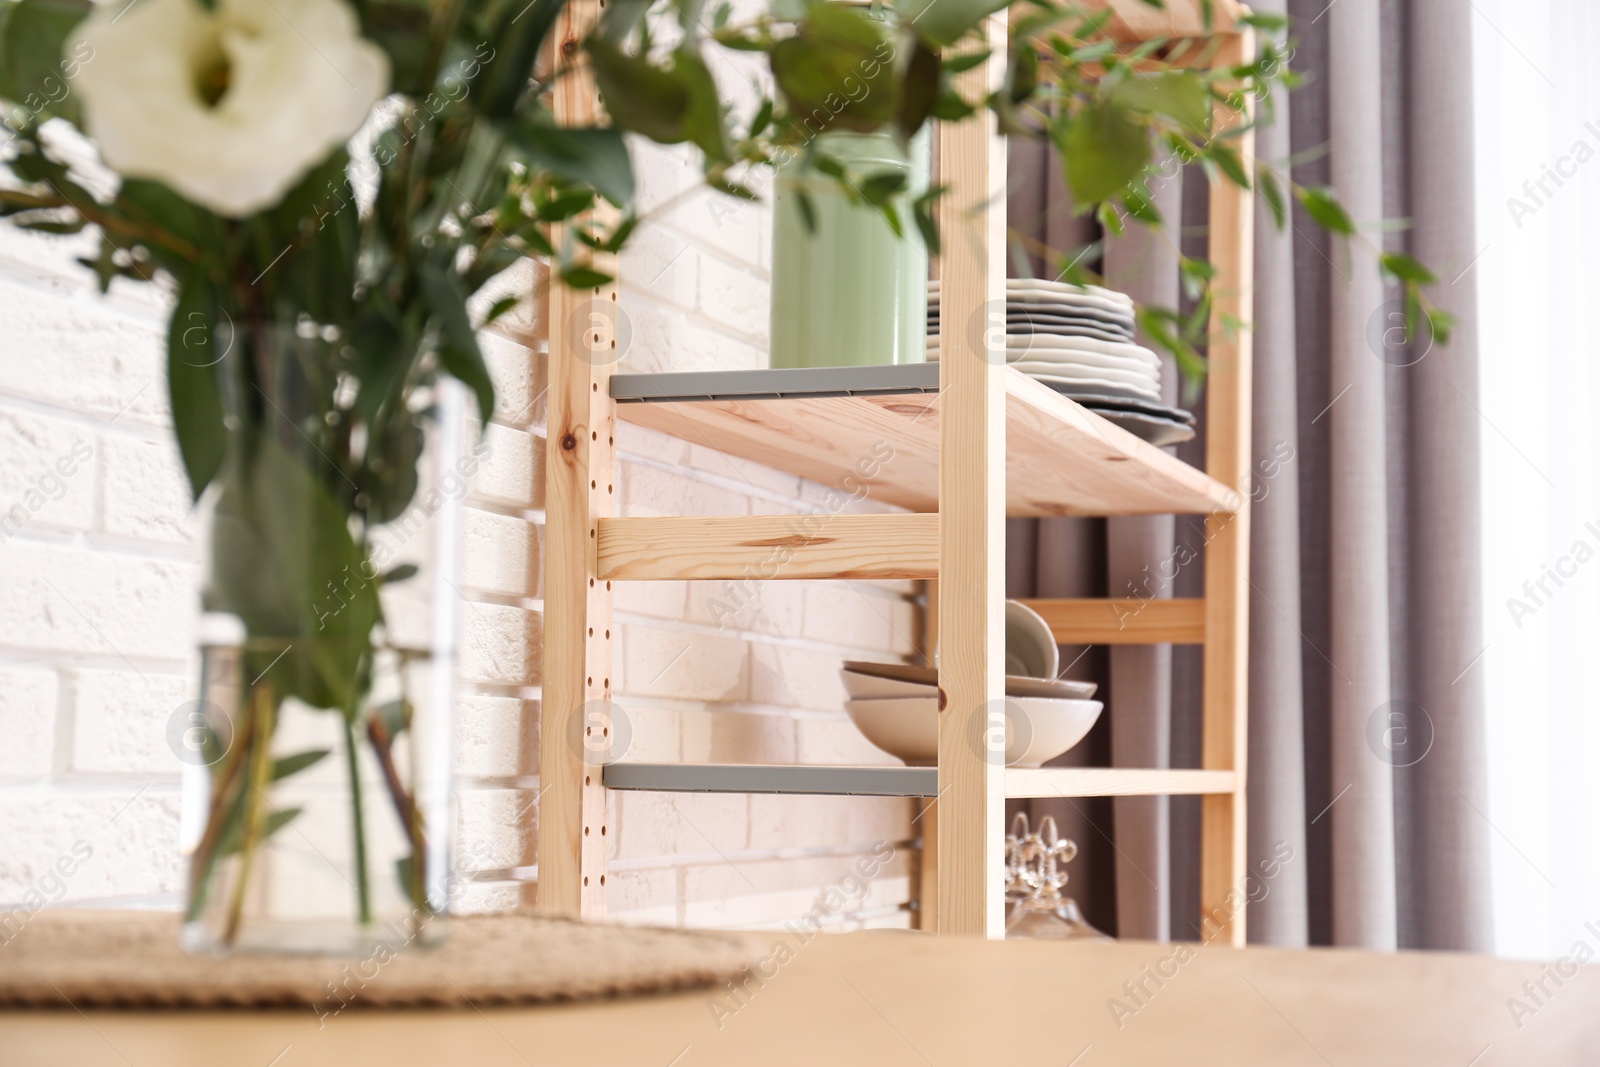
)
(1031, 648)
(862, 682)
(1037, 728)
(871, 687)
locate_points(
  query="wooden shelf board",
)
(1061, 458)
(766, 547)
(894, 781)
(884, 781)
(1115, 782)
(1124, 621)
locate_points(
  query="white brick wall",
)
(98, 599)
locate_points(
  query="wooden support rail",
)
(768, 547)
(1116, 782)
(1124, 621)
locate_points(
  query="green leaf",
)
(702, 115)
(1321, 204)
(501, 307)
(1272, 193)
(381, 363)
(58, 229)
(1180, 95)
(1264, 20)
(1405, 268)
(154, 205)
(284, 766)
(459, 353)
(283, 560)
(808, 211)
(401, 573)
(518, 35)
(400, 28)
(877, 189)
(762, 118)
(195, 347)
(1227, 160)
(640, 96)
(919, 90)
(35, 69)
(959, 64)
(1102, 149)
(389, 477)
(577, 276)
(619, 17)
(596, 157)
(926, 226)
(944, 22)
(1442, 323)
(837, 71)
(276, 820)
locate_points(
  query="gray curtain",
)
(1367, 723)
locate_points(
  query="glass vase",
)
(317, 814)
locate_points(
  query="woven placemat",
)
(132, 959)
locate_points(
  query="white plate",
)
(1131, 378)
(1037, 351)
(1110, 332)
(1157, 431)
(1062, 312)
(1055, 290)
(1120, 350)
(1079, 383)
(1079, 367)
(1037, 728)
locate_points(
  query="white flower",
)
(229, 107)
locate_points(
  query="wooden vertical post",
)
(928, 874)
(1225, 700)
(580, 488)
(972, 442)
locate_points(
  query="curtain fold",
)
(1367, 763)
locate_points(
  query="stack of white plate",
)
(896, 707)
(1079, 340)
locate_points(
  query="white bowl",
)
(1031, 647)
(1037, 728)
(871, 687)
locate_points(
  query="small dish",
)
(926, 681)
(1031, 648)
(1037, 729)
(1157, 431)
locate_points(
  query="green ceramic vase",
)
(849, 292)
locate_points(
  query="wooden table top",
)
(895, 999)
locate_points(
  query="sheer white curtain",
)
(1538, 180)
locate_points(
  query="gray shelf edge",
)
(782, 778)
(775, 383)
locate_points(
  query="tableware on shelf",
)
(1156, 430)
(1034, 880)
(1037, 291)
(860, 673)
(1042, 318)
(1098, 384)
(1132, 378)
(1031, 648)
(1098, 402)
(1037, 728)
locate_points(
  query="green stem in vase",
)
(227, 793)
(263, 700)
(358, 824)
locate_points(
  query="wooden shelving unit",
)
(960, 452)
